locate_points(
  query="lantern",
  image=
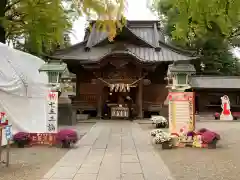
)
(179, 74)
(54, 70)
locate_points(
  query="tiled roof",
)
(215, 82)
(53, 66)
(144, 32)
(181, 68)
(142, 53)
(152, 49)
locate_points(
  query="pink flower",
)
(67, 135)
(216, 114)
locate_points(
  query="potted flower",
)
(21, 139)
(160, 121)
(164, 139)
(167, 142)
(156, 131)
(216, 115)
(209, 137)
(67, 137)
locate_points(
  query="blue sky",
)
(136, 10)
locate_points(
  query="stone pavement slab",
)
(116, 150)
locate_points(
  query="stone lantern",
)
(57, 72)
(54, 70)
(178, 76)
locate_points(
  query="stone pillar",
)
(74, 116)
(77, 85)
(65, 111)
(140, 99)
(99, 109)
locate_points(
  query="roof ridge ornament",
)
(156, 37)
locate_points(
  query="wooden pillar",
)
(140, 99)
(100, 100)
(77, 84)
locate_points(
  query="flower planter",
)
(66, 144)
(21, 139)
(22, 143)
(66, 138)
(217, 116)
(213, 144)
(167, 145)
(161, 125)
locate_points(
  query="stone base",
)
(82, 117)
(226, 118)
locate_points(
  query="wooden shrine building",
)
(128, 73)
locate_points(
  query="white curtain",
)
(23, 90)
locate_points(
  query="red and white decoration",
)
(226, 112)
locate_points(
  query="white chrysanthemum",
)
(156, 131)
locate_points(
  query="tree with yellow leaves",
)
(38, 26)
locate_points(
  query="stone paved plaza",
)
(112, 150)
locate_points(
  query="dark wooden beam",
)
(100, 99)
(140, 98)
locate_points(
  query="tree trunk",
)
(3, 4)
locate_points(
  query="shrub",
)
(66, 137)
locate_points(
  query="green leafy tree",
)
(196, 18)
(39, 26)
(203, 33)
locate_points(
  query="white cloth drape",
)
(23, 90)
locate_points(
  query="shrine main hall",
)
(127, 77)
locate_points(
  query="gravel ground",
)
(206, 164)
(32, 163)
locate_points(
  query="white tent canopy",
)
(23, 90)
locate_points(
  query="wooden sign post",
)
(0, 143)
(8, 136)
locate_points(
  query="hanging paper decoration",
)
(119, 87)
(122, 88)
(112, 86)
(128, 87)
(116, 87)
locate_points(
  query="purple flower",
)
(21, 136)
(191, 133)
(67, 135)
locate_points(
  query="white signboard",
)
(181, 111)
(52, 113)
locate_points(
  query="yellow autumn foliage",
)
(39, 25)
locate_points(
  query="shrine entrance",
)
(119, 102)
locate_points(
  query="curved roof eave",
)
(180, 51)
(139, 60)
